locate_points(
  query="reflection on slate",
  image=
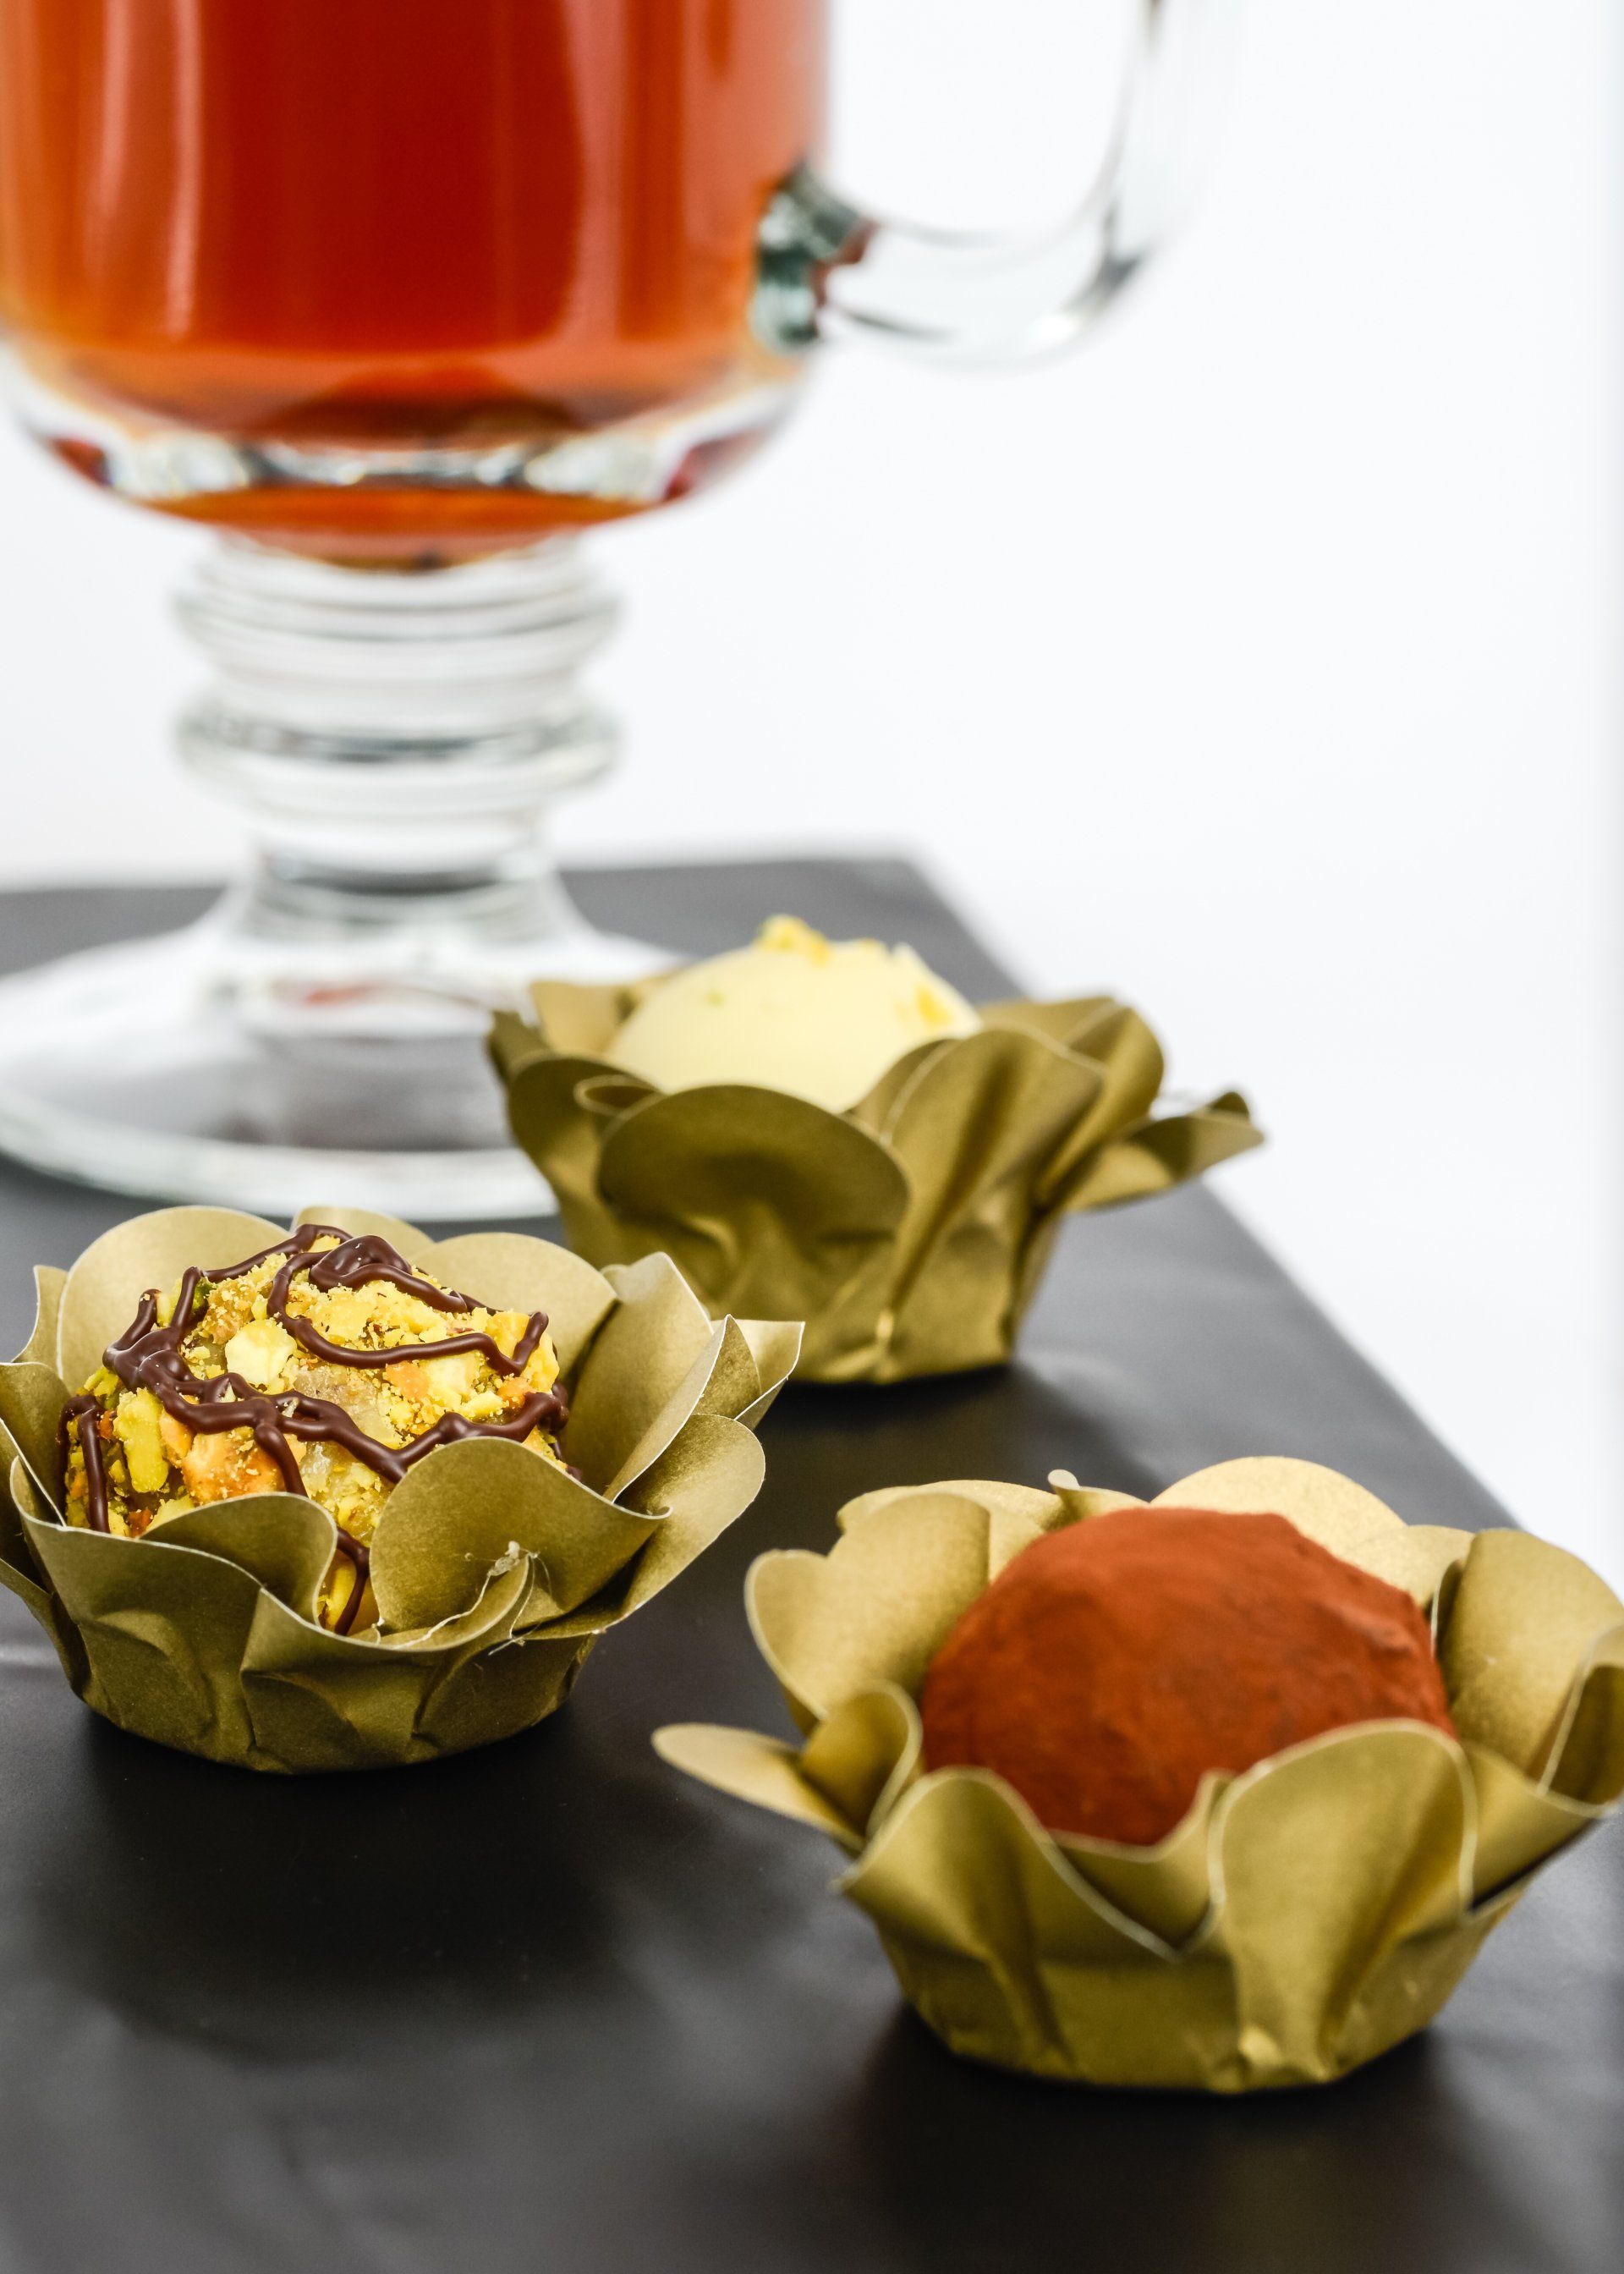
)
(553, 2006)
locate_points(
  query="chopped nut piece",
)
(138, 1422)
(261, 1352)
(229, 1466)
(176, 1438)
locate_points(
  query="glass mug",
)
(399, 295)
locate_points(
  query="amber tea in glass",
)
(325, 227)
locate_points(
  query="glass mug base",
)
(218, 1064)
(200, 1067)
(394, 741)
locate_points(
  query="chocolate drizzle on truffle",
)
(361, 1559)
(150, 1356)
(358, 1261)
(75, 1413)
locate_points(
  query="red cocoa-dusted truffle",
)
(1110, 1665)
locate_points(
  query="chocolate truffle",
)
(1112, 1664)
(325, 1365)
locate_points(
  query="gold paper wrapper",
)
(1304, 1917)
(910, 1233)
(495, 1571)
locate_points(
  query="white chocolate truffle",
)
(820, 1018)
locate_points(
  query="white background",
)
(1258, 663)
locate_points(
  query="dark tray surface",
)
(552, 2007)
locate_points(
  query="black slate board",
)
(552, 2008)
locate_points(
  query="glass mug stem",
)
(398, 431)
(394, 741)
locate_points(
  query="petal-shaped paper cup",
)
(911, 1233)
(1303, 1917)
(494, 1571)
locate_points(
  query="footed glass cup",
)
(401, 295)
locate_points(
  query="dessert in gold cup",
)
(827, 1129)
(324, 1366)
(1223, 1792)
(320, 1508)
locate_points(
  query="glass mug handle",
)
(830, 272)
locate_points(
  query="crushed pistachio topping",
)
(157, 1467)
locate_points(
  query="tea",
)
(397, 226)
